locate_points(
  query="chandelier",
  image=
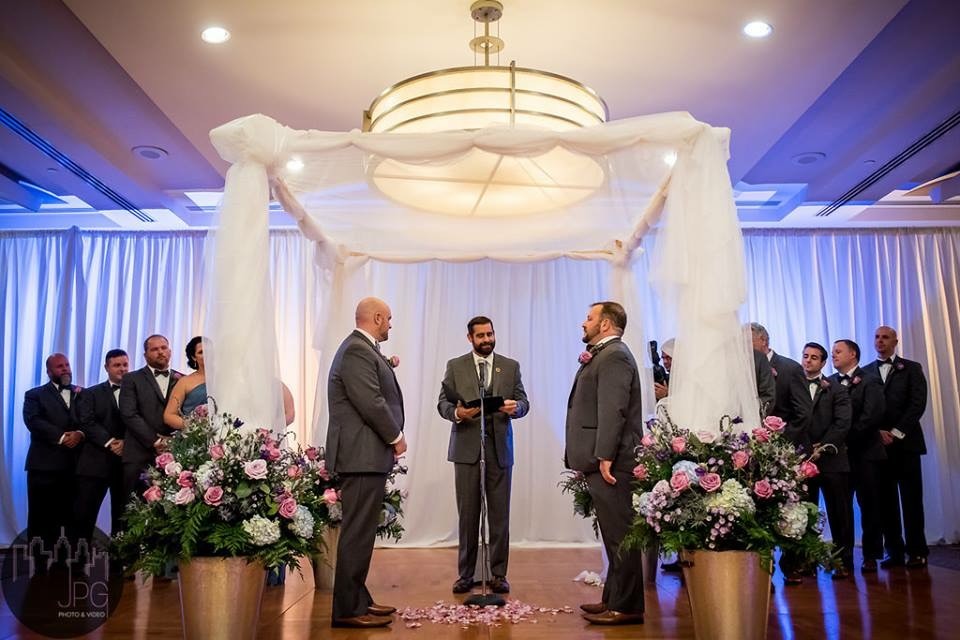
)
(470, 98)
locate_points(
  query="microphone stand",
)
(484, 599)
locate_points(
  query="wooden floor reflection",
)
(899, 604)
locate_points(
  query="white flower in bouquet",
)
(302, 523)
(793, 520)
(208, 474)
(733, 498)
(336, 512)
(688, 467)
(262, 531)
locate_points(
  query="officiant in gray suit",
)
(604, 426)
(500, 376)
(364, 439)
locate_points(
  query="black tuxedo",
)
(141, 409)
(98, 468)
(905, 391)
(49, 465)
(464, 451)
(825, 419)
(784, 371)
(865, 451)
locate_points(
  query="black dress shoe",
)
(499, 584)
(598, 607)
(916, 562)
(463, 585)
(671, 567)
(891, 561)
(613, 617)
(793, 578)
(381, 610)
(362, 622)
(841, 573)
(868, 566)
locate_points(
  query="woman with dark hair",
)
(190, 392)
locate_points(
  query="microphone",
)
(483, 378)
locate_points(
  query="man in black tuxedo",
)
(364, 439)
(819, 425)
(905, 390)
(100, 467)
(864, 448)
(784, 371)
(603, 428)
(143, 397)
(50, 414)
(500, 376)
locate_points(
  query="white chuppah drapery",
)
(667, 170)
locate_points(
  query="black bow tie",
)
(114, 387)
(165, 372)
(64, 387)
(887, 361)
(843, 377)
(814, 381)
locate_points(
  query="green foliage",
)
(575, 483)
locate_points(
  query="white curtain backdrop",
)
(86, 292)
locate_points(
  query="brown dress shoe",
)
(463, 585)
(613, 617)
(381, 610)
(598, 607)
(362, 621)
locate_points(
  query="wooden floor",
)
(900, 604)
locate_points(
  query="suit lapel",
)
(152, 382)
(59, 398)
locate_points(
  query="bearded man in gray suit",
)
(364, 439)
(604, 426)
(501, 377)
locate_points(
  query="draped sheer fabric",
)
(86, 292)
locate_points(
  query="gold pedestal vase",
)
(729, 594)
(220, 598)
(325, 560)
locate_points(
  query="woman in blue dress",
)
(190, 391)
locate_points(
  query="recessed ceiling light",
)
(149, 152)
(757, 29)
(869, 162)
(295, 165)
(215, 35)
(809, 157)
(670, 158)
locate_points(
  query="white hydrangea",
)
(262, 531)
(335, 511)
(302, 523)
(733, 498)
(793, 520)
(208, 474)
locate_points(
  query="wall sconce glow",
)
(757, 29)
(215, 35)
(670, 158)
(295, 165)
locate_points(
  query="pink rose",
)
(679, 481)
(774, 371)
(808, 469)
(899, 366)
(773, 423)
(710, 482)
(740, 459)
(213, 496)
(152, 494)
(201, 411)
(640, 472)
(164, 459)
(177, 375)
(585, 357)
(311, 453)
(173, 469)
(184, 496)
(330, 496)
(856, 380)
(678, 444)
(762, 488)
(185, 479)
(216, 451)
(293, 471)
(255, 469)
(647, 440)
(273, 453)
(761, 434)
(394, 361)
(288, 508)
(706, 437)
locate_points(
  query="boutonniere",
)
(774, 371)
(824, 383)
(856, 380)
(394, 361)
(585, 357)
(899, 366)
(177, 376)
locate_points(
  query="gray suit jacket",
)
(604, 414)
(461, 376)
(141, 407)
(366, 409)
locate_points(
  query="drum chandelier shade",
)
(470, 98)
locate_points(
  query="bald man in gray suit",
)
(501, 376)
(364, 439)
(604, 426)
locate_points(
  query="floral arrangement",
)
(220, 491)
(575, 483)
(732, 491)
